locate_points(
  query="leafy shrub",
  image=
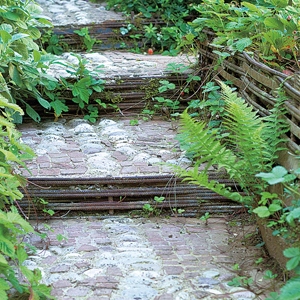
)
(268, 26)
(12, 226)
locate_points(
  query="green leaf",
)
(98, 88)
(222, 54)
(295, 213)
(18, 36)
(250, 6)
(14, 281)
(45, 21)
(6, 247)
(21, 49)
(34, 9)
(54, 39)
(4, 285)
(36, 55)
(21, 254)
(291, 290)
(291, 252)
(43, 102)
(262, 211)
(14, 217)
(274, 207)
(10, 16)
(34, 32)
(21, 24)
(274, 23)
(4, 103)
(293, 263)
(276, 176)
(6, 37)
(280, 3)
(80, 88)
(14, 74)
(32, 113)
(241, 44)
(275, 232)
(59, 107)
(28, 273)
(30, 43)
(2, 260)
(6, 27)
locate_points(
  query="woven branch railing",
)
(257, 84)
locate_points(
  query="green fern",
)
(248, 148)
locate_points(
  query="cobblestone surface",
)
(109, 148)
(118, 64)
(123, 259)
(70, 12)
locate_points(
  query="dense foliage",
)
(247, 150)
(270, 27)
(19, 60)
(23, 66)
(13, 227)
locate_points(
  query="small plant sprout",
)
(159, 199)
(205, 218)
(236, 267)
(178, 211)
(148, 208)
(259, 260)
(134, 122)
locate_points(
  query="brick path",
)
(124, 259)
(121, 258)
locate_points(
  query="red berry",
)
(182, 93)
(294, 32)
(16, 247)
(150, 51)
(289, 18)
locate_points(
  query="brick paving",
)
(121, 258)
(72, 148)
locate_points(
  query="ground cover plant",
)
(270, 27)
(164, 38)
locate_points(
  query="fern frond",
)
(194, 177)
(246, 132)
(203, 143)
(250, 147)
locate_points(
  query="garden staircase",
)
(111, 165)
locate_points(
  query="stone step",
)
(130, 81)
(118, 64)
(77, 12)
(73, 147)
(103, 25)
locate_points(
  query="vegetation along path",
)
(104, 107)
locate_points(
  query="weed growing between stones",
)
(52, 43)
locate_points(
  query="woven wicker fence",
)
(257, 84)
